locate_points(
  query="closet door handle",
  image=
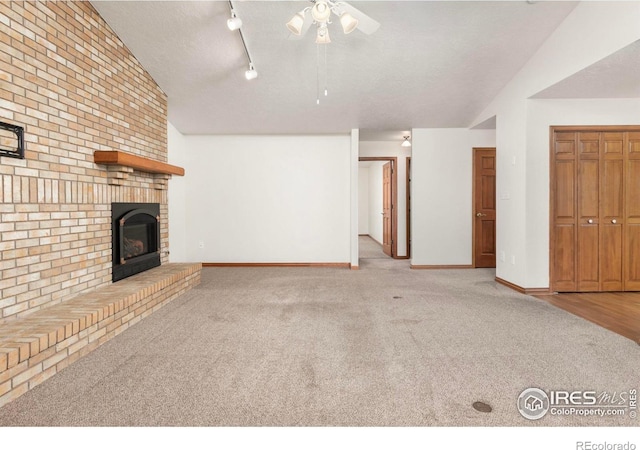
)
(614, 221)
(590, 221)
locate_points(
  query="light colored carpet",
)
(368, 248)
(385, 345)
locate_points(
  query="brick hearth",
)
(36, 347)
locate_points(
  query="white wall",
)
(354, 149)
(521, 231)
(177, 148)
(386, 148)
(441, 194)
(363, 200)
(268, 199)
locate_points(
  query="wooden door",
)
(563, 205)
(632, 213)
(595, 193)
(484, 207)
(588, 223)
(611, 212)
(386, 209)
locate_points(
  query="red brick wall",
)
(74, 86)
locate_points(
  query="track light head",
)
(252, 73)
(234, 22)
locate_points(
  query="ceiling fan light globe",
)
(348, 22)
(296, 23)
(321, 12)
(322, 37)
(234, 23)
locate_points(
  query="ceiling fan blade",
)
(308, 21)
(365, 23)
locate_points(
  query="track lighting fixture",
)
(406, 142)
(234, 23)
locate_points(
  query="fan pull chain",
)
(326, 77)
(317, 74)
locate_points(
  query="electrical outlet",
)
(201, 244)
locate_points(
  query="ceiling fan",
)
(320, 14)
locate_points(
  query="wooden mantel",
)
(136, 162)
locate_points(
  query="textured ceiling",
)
(615, 76)
(431, 64)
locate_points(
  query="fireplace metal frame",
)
(121, 212)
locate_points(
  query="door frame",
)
(408, 205)
(394, 199)
(473, 204)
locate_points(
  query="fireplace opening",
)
(136, 238)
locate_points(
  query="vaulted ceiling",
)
(431, 63)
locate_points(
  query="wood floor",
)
(616, 311)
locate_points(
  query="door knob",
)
(614, 221)
(590, 221)
(480, 215)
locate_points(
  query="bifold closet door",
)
(632, 213)
(600, 193)
(611, 211)
(588, 229)
(596, 206)
(564, 211)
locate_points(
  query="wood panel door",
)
(386, 209)
(564, 212)
(588, 217)
(632, 213)
(595, 204)
(611, 211)
(484, 179)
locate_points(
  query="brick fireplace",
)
(76, 89)
(94, 128)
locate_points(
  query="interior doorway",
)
(379, 238)
(484, 207)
